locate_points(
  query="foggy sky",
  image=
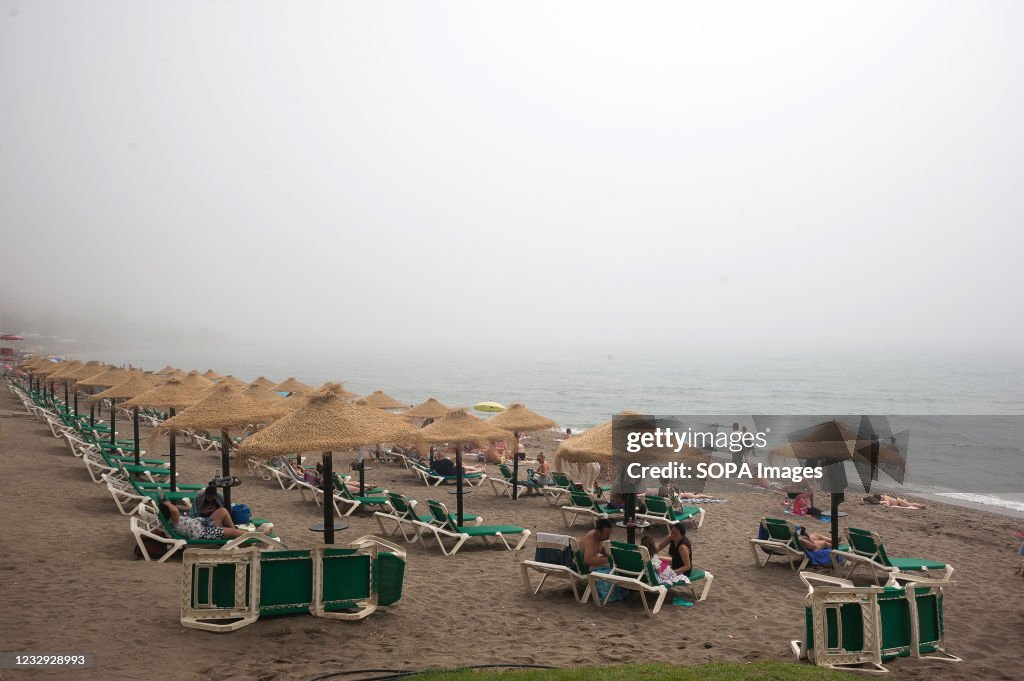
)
(693, 176)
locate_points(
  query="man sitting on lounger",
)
(446, 467)
(217, 526)
(591, 544)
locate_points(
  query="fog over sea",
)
(978, 459)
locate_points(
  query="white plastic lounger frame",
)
(777, 547)
(832, 594)
(546, 570)
(856, 559)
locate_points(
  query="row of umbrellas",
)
(326, 421)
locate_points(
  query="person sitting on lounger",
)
(886, 500)
(679, 548)
(813, 541)
(206, 503)
(662, 566)
(216, 526)
(591, 544)
(446, 467)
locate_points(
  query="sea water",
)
(581, 390)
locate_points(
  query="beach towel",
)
(553, 549)
(821, 558)
(617, 592)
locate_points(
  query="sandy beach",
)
(72, 585)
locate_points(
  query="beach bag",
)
(154, 548)
(240, 514)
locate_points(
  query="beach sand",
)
(72, 585)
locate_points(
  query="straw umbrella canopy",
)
(292, 385)
(428, 409)
(232, 381)
(519, 419)
(136, 385)
(167, 370)
(60, 374)
(295, 400)
(832, 443)
(223, 409)
(381, 400)
(458, 427)
(346, 394)
(326, 423)
(262, 394)
(87, 370)
(197, 381)
(263, 382)
(171, 395)
(210, 375)
(107, 378)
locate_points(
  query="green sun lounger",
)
(227, 590)
(859, 628)
(446, 526)
(148, 523)
(660, 511)
(558, 556)
(866, 549)
(631, 568)
(582, 503)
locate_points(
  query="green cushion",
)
(486, 530)
(916, 564)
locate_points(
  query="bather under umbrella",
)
(459, 428)
(136, 385)
(519, 419)
(173, 394)
(223, 409)
(832, 444)
(326, 423)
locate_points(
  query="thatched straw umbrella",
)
(60, 374)
(197, 381)
(172, 395)
(167, 371)
(136, 385)
(87, 370)
(223, 409)
(210, 375)
(327, 423)
(381, 400)
(259, 393)
(519, 419)
(107, 378)
(295, 401)
(263, 382)
(292, 385)
(832, 443)
(428, 409)
(232, 381)
(458, 427)
(30, 365)
(43, 371)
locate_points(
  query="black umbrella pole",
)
(135, 432)
(113, 422)
(174, 457)
(515, 467)
(328, 498)
(458, 484)
(630, 515)
(76, 406)
(362, 477)
(92, 415)
(67, 402)
(225, 464)
(836, 499)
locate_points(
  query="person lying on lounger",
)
(886, 500)
(813, 541)
(216, 526)
(446, 467)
